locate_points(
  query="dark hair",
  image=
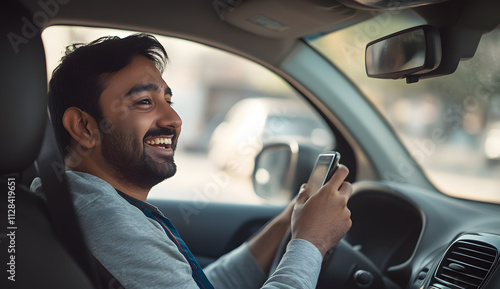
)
(79, 79)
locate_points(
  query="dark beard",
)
(128, 159)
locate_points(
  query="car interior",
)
(406, 233)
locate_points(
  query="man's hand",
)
(322, 217)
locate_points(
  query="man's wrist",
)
(282, 221)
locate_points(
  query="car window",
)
(230, 107)
(450, 124)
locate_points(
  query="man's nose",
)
(169, 117)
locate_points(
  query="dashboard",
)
(420, 239)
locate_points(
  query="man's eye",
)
(170, 102)
(144, 102)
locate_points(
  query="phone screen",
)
(325, 166)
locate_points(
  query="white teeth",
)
(159, 141)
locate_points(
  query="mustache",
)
(161, 131)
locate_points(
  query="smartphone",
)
(323, 170)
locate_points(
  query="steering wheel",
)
(344, 266)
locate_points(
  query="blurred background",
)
(231, 106)
(450, 124)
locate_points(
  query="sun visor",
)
(286, 18)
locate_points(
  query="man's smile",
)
(161, 144)
(159, 141)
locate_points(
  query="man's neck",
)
(137, 193)
(118, 183)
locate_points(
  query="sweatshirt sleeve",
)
(299, 268)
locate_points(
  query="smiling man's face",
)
(139, 147)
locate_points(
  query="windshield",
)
(449, 124)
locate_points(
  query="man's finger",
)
(303, 194)
(338, 177)
(346, 188)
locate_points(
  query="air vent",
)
(467, 263)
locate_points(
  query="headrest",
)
(23, 88)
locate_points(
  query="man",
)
(113, 118)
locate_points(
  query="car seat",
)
(41, 243)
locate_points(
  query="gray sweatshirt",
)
(138, 253)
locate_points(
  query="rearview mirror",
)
(407, 53)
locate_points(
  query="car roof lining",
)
(189, 20)
(202, 21)
(291, 18)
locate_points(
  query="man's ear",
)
(81, 126)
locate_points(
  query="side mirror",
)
(281, 168)
(404, 54)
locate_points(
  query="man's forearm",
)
(264, 244)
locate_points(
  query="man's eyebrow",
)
(147, 87)
(141, 88)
